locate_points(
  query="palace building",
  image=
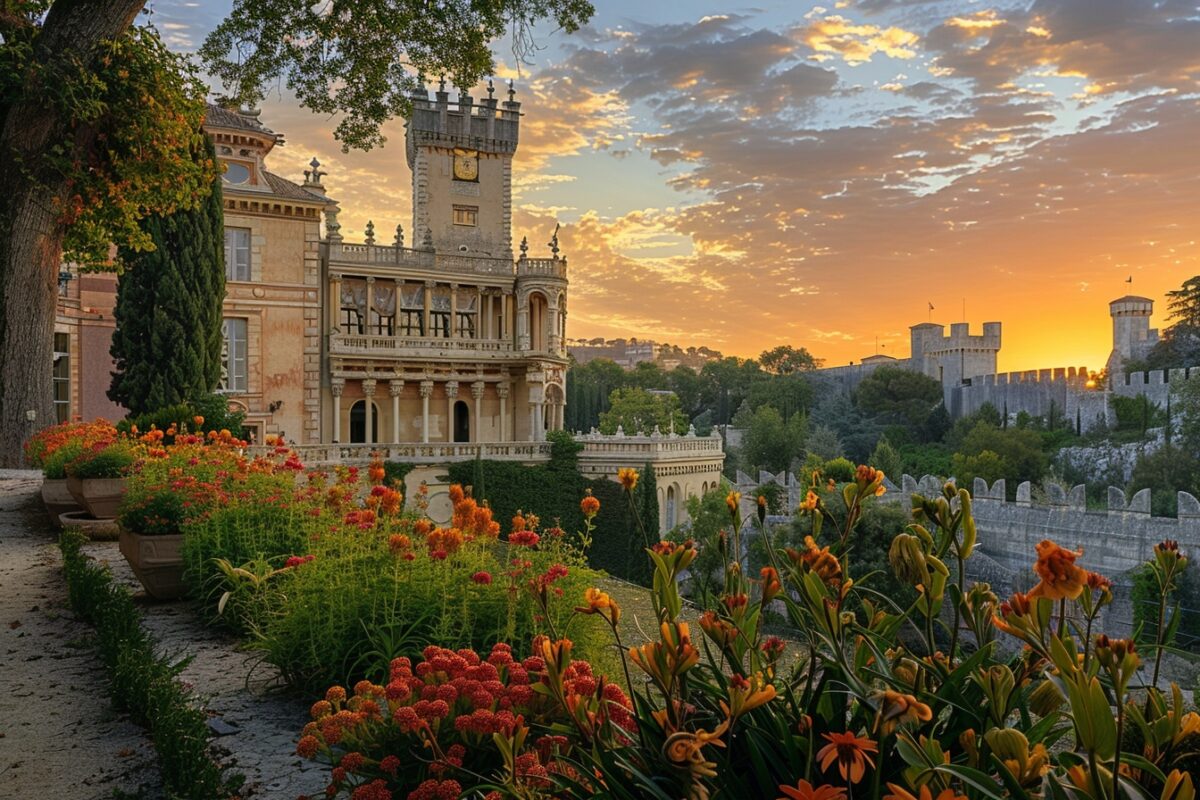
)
(445, 344)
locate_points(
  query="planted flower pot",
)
(100, 496)
(157, 561)
(57, 498)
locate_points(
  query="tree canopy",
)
(362, 64)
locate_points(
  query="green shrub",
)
(110, 461)
(54, 466)
(839, 469)
(143, 683)
(212, 410)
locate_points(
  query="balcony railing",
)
(416, 452)
(351, 344)
(389, 255)
(542, 267)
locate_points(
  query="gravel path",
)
(59, 736)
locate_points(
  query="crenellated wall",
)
(1064, 390)
(1155, 384)
(1114, 541)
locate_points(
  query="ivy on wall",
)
(553, 491)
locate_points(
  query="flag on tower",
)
(1129, 279)
(931, 306)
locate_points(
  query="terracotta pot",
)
(100, 496)
(157, 561)
(57, 499)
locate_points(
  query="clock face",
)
(466, 165)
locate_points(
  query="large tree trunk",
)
(31, 231)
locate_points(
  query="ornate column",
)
(506, 315)
(479, 320)
(394, 389)
(454, 311)
(428, 296)
(335, 305)
(368, 387)
(489, 331)
(398, 313)
(451, 396)
(426, 390)
(533, 431)
(502, 391)
(336, 385)
(477, 394)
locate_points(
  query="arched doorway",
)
(358, 422)
(462, 422)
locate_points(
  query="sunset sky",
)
(817, 175)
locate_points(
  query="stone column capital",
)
(395, 388)
(451, 388)
(426, 388)
(477, 389)
(430, 284)
(336, 385)
(368, 387)
(502, 390)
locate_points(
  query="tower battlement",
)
(485, 124)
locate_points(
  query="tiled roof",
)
(282, 187)
(222, 117)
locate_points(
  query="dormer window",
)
(236, 173)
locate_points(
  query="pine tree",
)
(167, 344)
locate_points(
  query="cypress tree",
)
(167, 344)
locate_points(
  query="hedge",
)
(142, 683)
(553, 491)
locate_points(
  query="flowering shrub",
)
(104, 459)
(885, 701)
(175, 483)
(455, 722)
(385, 584)
(51, 448)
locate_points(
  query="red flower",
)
(482, 578)
(523, 538)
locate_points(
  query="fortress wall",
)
(1156, 384)
(847, 377)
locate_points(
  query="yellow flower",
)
(628, 478)
(900, 793)
(1179, 786)
(597, 601)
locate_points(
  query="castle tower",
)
(461, 159)
(1132, 334)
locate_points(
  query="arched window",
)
(462, 422)
(670, 507)
(358, 422)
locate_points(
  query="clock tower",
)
(461, 155)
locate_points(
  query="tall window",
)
(62, 376)
(352, 321)
(234, 369)
(381, 325)
(466, 215)
(237, 254)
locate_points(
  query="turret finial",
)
(512, 89)
(524, 246)
(370, 232)
(399, 235)
(554, 242)
(491, 88)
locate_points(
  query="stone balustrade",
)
(383, 255)
(349, 344)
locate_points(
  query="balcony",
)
(380, 255)
(352, 344)
(542, 267)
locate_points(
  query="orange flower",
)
(197, 421)
(806, 791)
(896, 708)
(900, 793)
(771, 587)
(589, 505)
(852, 754)
(597, 601)
(376, 473)
(810, 501)
(628, 478)
(818, 560)
(732, 501)
(1061, 578)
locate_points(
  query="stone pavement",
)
(59, 735)
(88, 745)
